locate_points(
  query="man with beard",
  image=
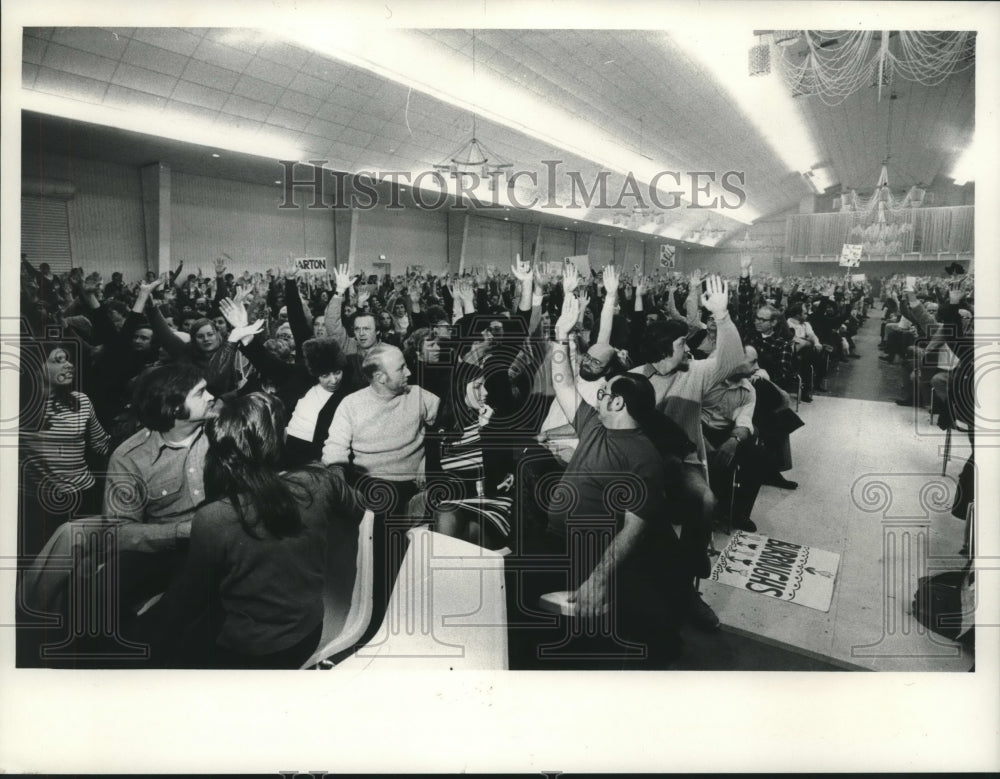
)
(599, 363)
(680, 385)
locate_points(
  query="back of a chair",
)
(348, 587)
(447, 610)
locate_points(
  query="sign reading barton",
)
(311, 264)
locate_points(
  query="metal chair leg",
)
(947, 451)
(732, 498)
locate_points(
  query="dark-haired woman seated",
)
(58, 428)
(470, 471)
(258, 547)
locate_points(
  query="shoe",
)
(746, 524)
(886, 357)
(781, 482)
(700, 614)
(904, 401)
(807, 398)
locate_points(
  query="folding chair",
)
(347, 595)
(947, 444)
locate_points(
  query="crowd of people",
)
(928, 327)
(595, 419)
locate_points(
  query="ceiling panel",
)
(92, 39)
(154, 57)
(637, 87)
(180, 41)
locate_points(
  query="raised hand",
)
(610, 278)
(92, 284)
(245, 333)
(363, 297)
(242, 294)
(567, 318)
(465, 291)
(715, 298)
(571, 278)
(521, 270)
(150, 288)
(746, 263)
(234, 313)
(342, 279)
(220, 264)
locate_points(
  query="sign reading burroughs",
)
(778, 569)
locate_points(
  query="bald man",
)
(377, 433)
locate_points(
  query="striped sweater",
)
(54, 455)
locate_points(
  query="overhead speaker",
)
(759, 60)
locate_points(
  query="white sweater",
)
(303, 422)
(384, 435)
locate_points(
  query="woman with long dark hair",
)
(259, 544)
(59, 430)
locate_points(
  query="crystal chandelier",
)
(706, 233)
(832, 65)
(885, 232)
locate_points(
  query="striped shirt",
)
(463, 457)
(54, 455)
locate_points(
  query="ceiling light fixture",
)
(834, 65)
(472, 156)
(706, 233)
(415, 60)
(162, 124)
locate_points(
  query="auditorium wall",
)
(410, 236)
(211, 215)
(105, 213)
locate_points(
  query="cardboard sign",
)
(778, 569)
(858, 277)
(582, 263)
(668, 256)
(850, 255)
(311, 264)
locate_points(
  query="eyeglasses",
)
(603, 393)
(763, 318)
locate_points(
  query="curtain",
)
(925, 230)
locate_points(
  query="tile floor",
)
(871, 490)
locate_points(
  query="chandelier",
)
(832, 65)
(638, 216)
(887, 229)
(472, 156)
(706, 233)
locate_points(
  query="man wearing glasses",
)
(680, 385)
(614, 523)
(764, 332)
